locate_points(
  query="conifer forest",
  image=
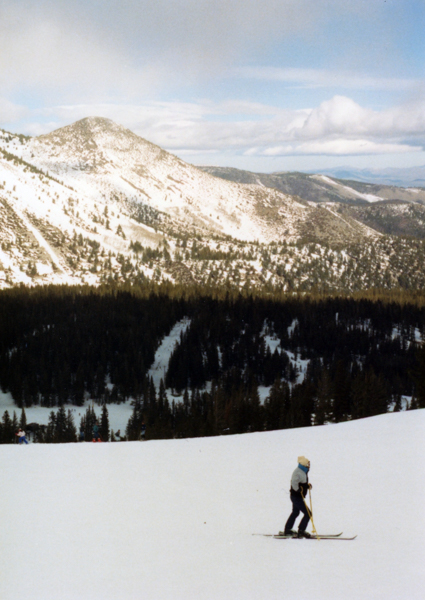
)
(61, 345)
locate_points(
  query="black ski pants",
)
(298, 506)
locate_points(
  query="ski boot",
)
(303, 534)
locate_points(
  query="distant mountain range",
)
(405, 177)
(93, 202)
(319, 187)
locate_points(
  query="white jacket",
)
(298, 477)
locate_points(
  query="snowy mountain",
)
(92, 202)
(104, 162)
(174, 519)
(324, 188)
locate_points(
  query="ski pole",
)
(310, 512)
(311, 509)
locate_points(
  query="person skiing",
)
(143, 430)
(299, 488)
(96, 432)
(21, 436)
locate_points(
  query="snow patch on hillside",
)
(162, 356)
(368, 197)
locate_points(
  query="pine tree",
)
(8, 431)
(134, 424)
(255, 410)
(302, 404)
(323, 399)
(219, 409)
(413, 404)
(60, 431)
(15, 423)
(420, 378)
(23, 420)
(164, 413)
(359, 398)
(377, 394)
(71, 430)
(104, 424)
(49, 436)
(397, 403)
(90, 420)
(369, 395)
(341, 393)
(276, 406)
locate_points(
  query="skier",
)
(21, 436)
(299, 483)
(143, 430)
(96, 433)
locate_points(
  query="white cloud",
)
(323, 78)
(341, 147)
(341, 116)
(338, 126)
(10, 112)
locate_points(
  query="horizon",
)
(333, 171)
(268, 88)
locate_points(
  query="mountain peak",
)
(96, 123)
(86, 127)
(95, 185)
(93, 134)
(93, 120)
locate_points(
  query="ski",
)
(313, 537)
(278, 536)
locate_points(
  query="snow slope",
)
(350, 191)
(77, 204)
(173, 519)
(101, 159)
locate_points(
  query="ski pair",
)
(312, 535)
(282, 535)
(329, 536)
(335, 537)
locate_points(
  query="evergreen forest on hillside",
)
(60, 346)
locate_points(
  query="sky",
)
(267, 86)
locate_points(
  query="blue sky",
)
(266, 86)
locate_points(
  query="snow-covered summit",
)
(88, 142)
(96, 188)
(107, 161)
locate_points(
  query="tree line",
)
(314, 359)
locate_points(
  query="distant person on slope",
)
(96, 432)
(299, 483)
(21, 436)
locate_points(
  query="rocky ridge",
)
(92, 202)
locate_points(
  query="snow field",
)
(173, 519)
